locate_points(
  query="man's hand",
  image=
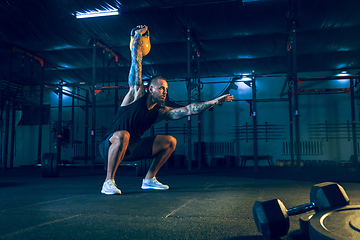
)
(224, 98)
(142, 29)
(192, 109)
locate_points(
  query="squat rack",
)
(9, 102)
(294, 82)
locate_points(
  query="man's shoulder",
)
(164, 108)
(138, 100)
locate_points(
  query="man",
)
(140, 110)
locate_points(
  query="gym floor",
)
(211, 203)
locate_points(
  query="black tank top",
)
(134, 118)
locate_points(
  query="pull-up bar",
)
(327, 78)
(73, 95)
(14, 48)
(108, 49)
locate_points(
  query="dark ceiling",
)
(232, 37)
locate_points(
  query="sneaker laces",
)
(112, 183)
(157, 182)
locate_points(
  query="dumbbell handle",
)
(301, 209)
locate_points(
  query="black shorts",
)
(135, 151)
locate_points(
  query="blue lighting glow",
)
(111, 11)
(245, 79)
(66, 46)
(343, 73)
(244, 57)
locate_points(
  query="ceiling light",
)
(343, 73)
(97, 13)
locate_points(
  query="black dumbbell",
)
(272, 218)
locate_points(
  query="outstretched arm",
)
(135, 74)
(194, 108)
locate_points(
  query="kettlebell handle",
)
(132, 34)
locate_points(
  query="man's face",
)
(158, 90)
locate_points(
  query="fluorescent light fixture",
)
(65, 46)
(245, 79)
(97, 13)
(343, 73)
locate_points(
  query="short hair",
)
(147, 82)
(157, 77)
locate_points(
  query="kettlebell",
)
(145, 45)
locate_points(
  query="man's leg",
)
(119, 143)
(163, 147)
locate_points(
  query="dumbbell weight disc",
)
(271, 218)
(327, 195)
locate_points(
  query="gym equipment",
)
(304, 221)
(288, 163)
(340, 223)
(272, 218)
(280, 163)
(49, 165)
(145, 45)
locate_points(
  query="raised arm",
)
(135, 75)
(192, 109)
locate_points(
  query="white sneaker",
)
(109, 188)
(153, 183)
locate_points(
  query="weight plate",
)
(46, 162)
(355, 224)
(49, 165)
(339, 224)
(55, 166)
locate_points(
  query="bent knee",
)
(173, 141)
(170, 141)
(120, 137)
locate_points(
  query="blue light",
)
(343, 73)
(98, 13)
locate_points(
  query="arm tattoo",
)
(176, 114)
(192, 109)
(196, 108)
(136, 59)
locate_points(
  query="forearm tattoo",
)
(135, 73)
(177, 114)
(196, 108)
(191, 109)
